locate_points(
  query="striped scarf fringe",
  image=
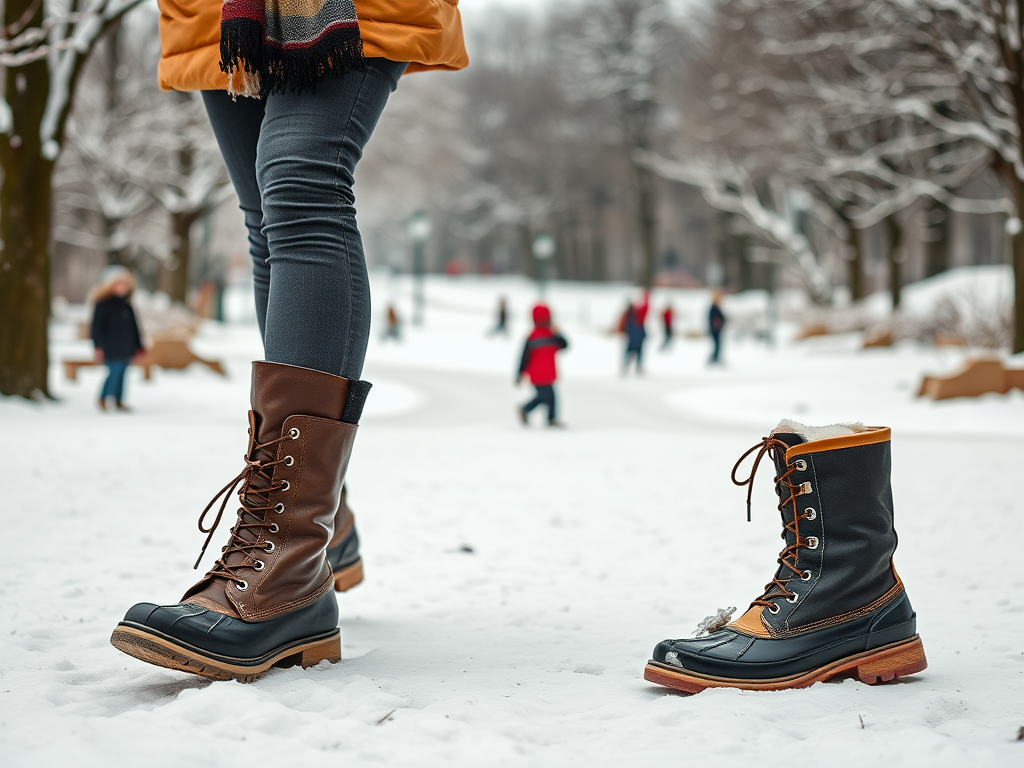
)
(299, 51)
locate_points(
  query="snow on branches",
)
(867, 105)
(62, 33)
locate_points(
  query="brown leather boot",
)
(343, 551)
(268, 600)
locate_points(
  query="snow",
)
(588, 546)
(6, 117)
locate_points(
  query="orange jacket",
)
(426, 33)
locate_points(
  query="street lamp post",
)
(419, 233)
(543, 251)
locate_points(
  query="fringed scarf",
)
(270, 46)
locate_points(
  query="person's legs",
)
(114, 384)
(549, 396)
(118, 369)
(236, 124)
(538, 399)
(716, 341)
(318, 310)
(108, 383)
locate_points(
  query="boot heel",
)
(329, 650)
(899, 661)
(349, 577)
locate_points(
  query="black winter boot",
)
(836, 605)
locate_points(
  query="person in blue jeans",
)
(312, 80)
(115, 331)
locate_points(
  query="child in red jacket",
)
(538, 362)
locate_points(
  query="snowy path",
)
(589, 546)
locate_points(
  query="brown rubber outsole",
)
(163, 652)
(879, 665)
(348, 577)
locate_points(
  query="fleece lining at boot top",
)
(811, 434)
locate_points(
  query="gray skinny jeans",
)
(291, 158)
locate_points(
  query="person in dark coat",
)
(115, 331)
(538, 362)
(501, 325)
(716, 322)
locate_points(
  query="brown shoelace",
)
(252, 515)
(789, 557)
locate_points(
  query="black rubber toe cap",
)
(223, 635)
(140, 612)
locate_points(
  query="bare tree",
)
(42, 52)
(614, 53)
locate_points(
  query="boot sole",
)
(157, 648)
(879, 665)
(348, 577)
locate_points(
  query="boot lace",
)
(789, 557)
(255, 492)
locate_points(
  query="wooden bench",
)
(172, 354)
(978, 377)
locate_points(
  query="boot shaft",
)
(838, 501)
(299, 447)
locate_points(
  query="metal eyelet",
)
(805, 488)
(812, 542)
(810, 513)
(806, 576)
(259, 565)
(801, 465)
(288, 461)
(775, 606)
(269, 548)
(793, 599)
(285, 485)
(294, 433)
(242, 585)
(279, 507)
(274, 528)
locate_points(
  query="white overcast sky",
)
(472, 8)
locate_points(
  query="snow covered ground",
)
(588, 546)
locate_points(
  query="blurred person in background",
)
(634, 326)
(315, 77)
(668, 318)
(716, 322)
(538, 362)
(501, 326)
(393, 326)
(115, 331)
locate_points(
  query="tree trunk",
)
(25, 209)
(526, 249)
(895, 262)
(181, 232)
(647, 220)
(856, 266)
(1017, 251)
(177, 284)
(1016, 189)
(114, 254)
(937, 255)
(855, 263)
